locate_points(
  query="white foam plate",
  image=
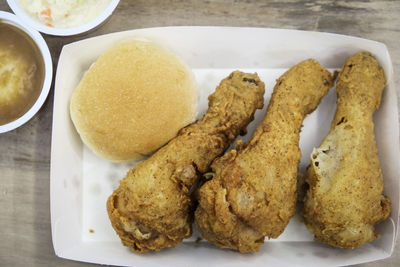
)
(81, 182)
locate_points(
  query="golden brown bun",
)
(132, 100)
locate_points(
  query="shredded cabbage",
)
(64, 13)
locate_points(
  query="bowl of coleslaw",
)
(63, 17)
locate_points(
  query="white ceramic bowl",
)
(9, 18)
(27, 19)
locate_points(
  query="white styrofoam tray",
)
(81, 182)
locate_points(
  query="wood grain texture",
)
(25, 231)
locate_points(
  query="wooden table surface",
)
(25, 231)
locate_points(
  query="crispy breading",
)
(152, 208)
(253, 191)
(345, 200)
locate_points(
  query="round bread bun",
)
(133, 100)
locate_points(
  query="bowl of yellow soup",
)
(25, 72)
(63, 17)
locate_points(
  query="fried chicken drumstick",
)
(152, 208)
(253, 191)
(345, 200)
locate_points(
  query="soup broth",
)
(21, 72)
